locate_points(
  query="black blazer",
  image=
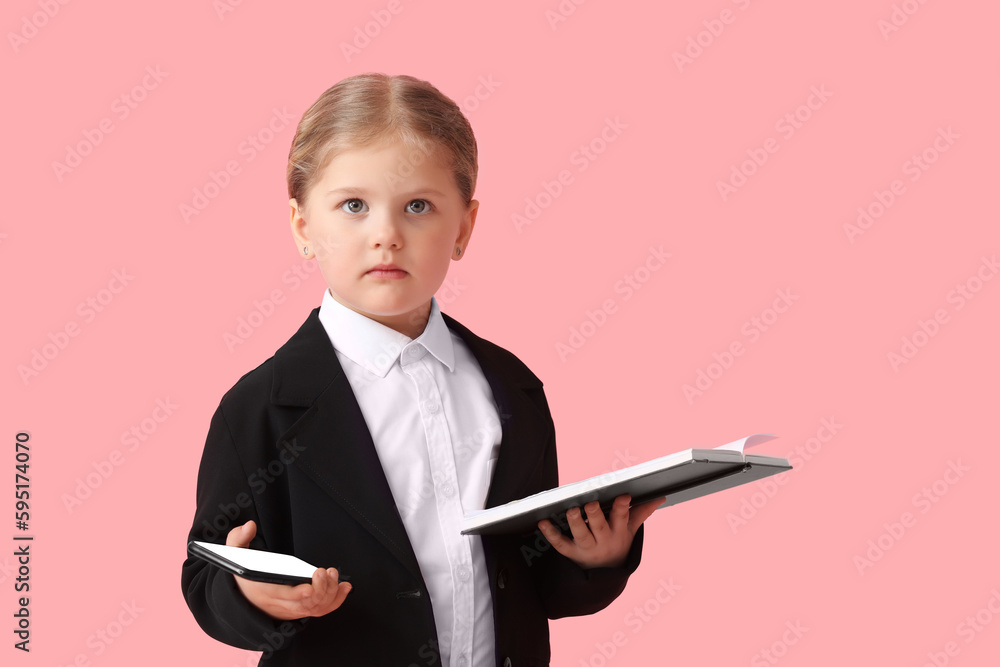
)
(289, 448)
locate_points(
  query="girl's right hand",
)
(284, 602)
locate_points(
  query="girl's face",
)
(383, 222)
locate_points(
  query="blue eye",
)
(354, 206)
(423, 206)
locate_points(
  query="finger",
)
(240, 536)
(342, 590)
(560, 542)
(639, 513)
(299, 602)
(332, 603)
(284, 592)
(581, 533)
(620, 513)
(320, 586)
(596, 521)
(334, 597)
(336, 593)
(275, 599)
(289, 609)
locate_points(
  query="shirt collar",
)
(376, 347)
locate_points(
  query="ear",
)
(300, 229)
(466, 226)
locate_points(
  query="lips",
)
(386, 271)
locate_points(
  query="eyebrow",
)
(362, 192)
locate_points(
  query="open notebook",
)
(681, 476)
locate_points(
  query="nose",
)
(385, 230)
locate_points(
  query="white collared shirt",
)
(437, 431)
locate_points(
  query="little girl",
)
(367, 436)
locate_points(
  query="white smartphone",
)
(254, 564)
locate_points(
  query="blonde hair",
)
(366, 108)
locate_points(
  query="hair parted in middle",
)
(368, 108)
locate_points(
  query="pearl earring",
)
(458, 252)
(305, 250)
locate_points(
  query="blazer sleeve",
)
(565, 588)
(225, 500)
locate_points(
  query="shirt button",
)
(464, 573)
(462, 661)
(432, 406)
(448, 490)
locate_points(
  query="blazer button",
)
(501, 582)
(506, 662)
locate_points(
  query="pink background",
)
(797, 556)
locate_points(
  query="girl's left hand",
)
(596, 543)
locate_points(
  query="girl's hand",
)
(595, 543)
(284, 602)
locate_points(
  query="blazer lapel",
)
(526, 429)
(337, 450)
